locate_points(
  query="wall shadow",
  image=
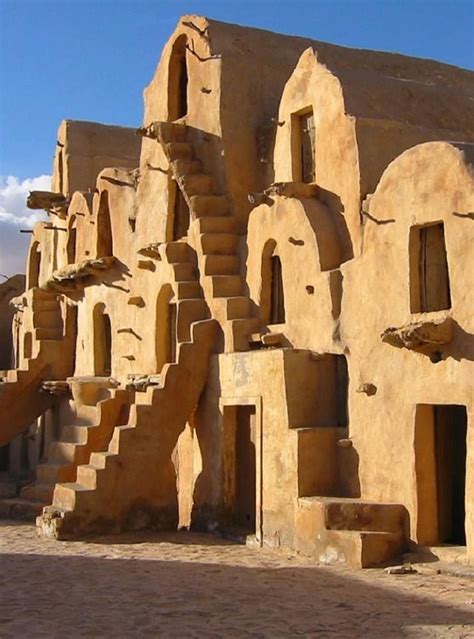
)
(211, 593)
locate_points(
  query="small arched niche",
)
(102, 341)
(71, 247)
(165, 327)
(178, 213)
(28, 345)
(272, 297)
(104, 227)
(34, 265)
(178, 80)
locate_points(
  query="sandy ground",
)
(190, 585)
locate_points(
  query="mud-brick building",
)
(255, 315)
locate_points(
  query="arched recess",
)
(104, 227)
(28, 345)
(34, 265)
(178, 213)
(165, 327)
(178, 81)
(272, 296)
(102, 341)
(71, 247)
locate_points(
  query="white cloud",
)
(13, 216)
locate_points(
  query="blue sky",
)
(91, 59)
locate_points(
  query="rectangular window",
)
(303, 146)
(429, 275)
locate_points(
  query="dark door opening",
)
(307, 148)
(277, 300)
(181, 215)
(183, 87)
(450, 432)
(107, 335)
(171, 333)
(245, 467)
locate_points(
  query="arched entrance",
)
(179, 215)
(71, 248)
(165, 328)
(34, 265)
(272, 301)
(102, 342)
(178, 81)
(104, 228)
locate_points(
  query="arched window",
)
(165, 328)
(102, 341)
(71, 248)
(179, 216)
(34, 265)
(178, 81)
(272, 300)
(104, 227)
(28, 345)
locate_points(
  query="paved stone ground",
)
(188, 585)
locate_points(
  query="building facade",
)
(254, 315)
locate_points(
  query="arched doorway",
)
(71, 248)
(272, 301)
(179, 215)
(34, 265)
(178, 81)
(104, 227)
(102, 342)
(165, 328)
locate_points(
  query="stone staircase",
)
(213, 233)
(353, 531)
(330, 524)
(21, 399)
(75, 446)
(133, 484)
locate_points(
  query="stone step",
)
(46, 305)
(221, 264)
(20, 509)
(238, 307)
(48, 333)
(87, 476)
(359, 549)
(178, 252)
(188, 290)
(73, 433)
(226, 285)
(99, 459)
(209, 205)
(186, 167)
(171, 131)
(341, 513)
(196, 184)
(179, 151)
(241, 331)
(220, 243)
(65, 495)
(184, 272)
(47, 473)
(8, 489)
(47, 319)
(219, 224)
(189, 311)
(62, 452)
(38, 492)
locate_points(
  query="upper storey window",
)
(429, 275)
(178, 81)
(303, 146)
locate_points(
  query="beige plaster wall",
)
(428, 183)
